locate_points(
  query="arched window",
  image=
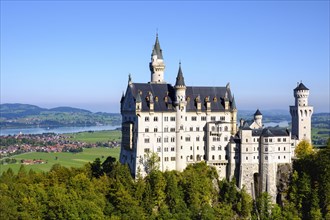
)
(226, 128)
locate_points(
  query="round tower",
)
(301, 113)
(157, 66)
(180, 102)
(258, 117)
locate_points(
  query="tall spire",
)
(157, 50)
(233, 103)
(157, 65)
(179, 78)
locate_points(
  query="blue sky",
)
(79, 53)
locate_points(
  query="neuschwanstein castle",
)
(188, 124)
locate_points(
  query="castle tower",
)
(301, 113)
(234, 117)
(157, 65)
(258, 118)
(180, 102)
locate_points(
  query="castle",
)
(187, 124)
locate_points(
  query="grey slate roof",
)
(301, 86)
(157, 50)
(162, 92)
(233, 103)
(257, 112)
(179, 78)
(271, 132)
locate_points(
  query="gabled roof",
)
(301, 86)
(164, 96)
(179, 78)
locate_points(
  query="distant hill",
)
(24, 115)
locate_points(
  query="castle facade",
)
(188, 124)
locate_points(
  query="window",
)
(266, 139)
(166, 129)
(146, 119)
(279, 157)
(166, 139)
(146, 150)
(203, 118)
(172, 118)
(166, 118)
(226, 138)
(172, 158)
(213, 128)
(214, 138)
(146, 140)
(155, 118)
(197, 147)
(188, 138)
(219, 157)
(213, 118)
(226, 128)
(212, 157)
(278, 139)
(213, 148)
(222, 118)
(270, 140)
(172, 130)
(194, 118)
(166, 149)
(190, 147)
(197, 128)
(284, 139)
(197, 138)
(159, 149)
(159, 139)
(146, 130)
(155, 129)
(266, 149)
(172, 139)
(246, 158)
(266, 157)
(247, 149)
(172, 149)
(191, 157)
(246, 140)
(284, 149)
(219, 147)
(191, 129)
(279, 149)
(284, 157)
(166, 158)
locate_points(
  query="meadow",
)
(68, 159)
(64, 158)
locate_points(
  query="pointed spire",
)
(301, 86)
(179, 78)
(233, 103)
(157, 50)
(257, 112)
(129, 79)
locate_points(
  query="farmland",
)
(64, 158)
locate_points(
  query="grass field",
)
(63, 158)
(97, 136)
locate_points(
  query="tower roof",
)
(157, 50)
(301, 86)
(233, 103)
(257, 112)
(179, 78)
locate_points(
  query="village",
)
(47, 142)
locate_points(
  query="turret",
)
(234, 116)
(180, 89)
(157, 65)
(180, 102)
(258, 118)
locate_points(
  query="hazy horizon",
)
(79, 54)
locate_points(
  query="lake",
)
(58, 130)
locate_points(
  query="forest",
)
(107, 191)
